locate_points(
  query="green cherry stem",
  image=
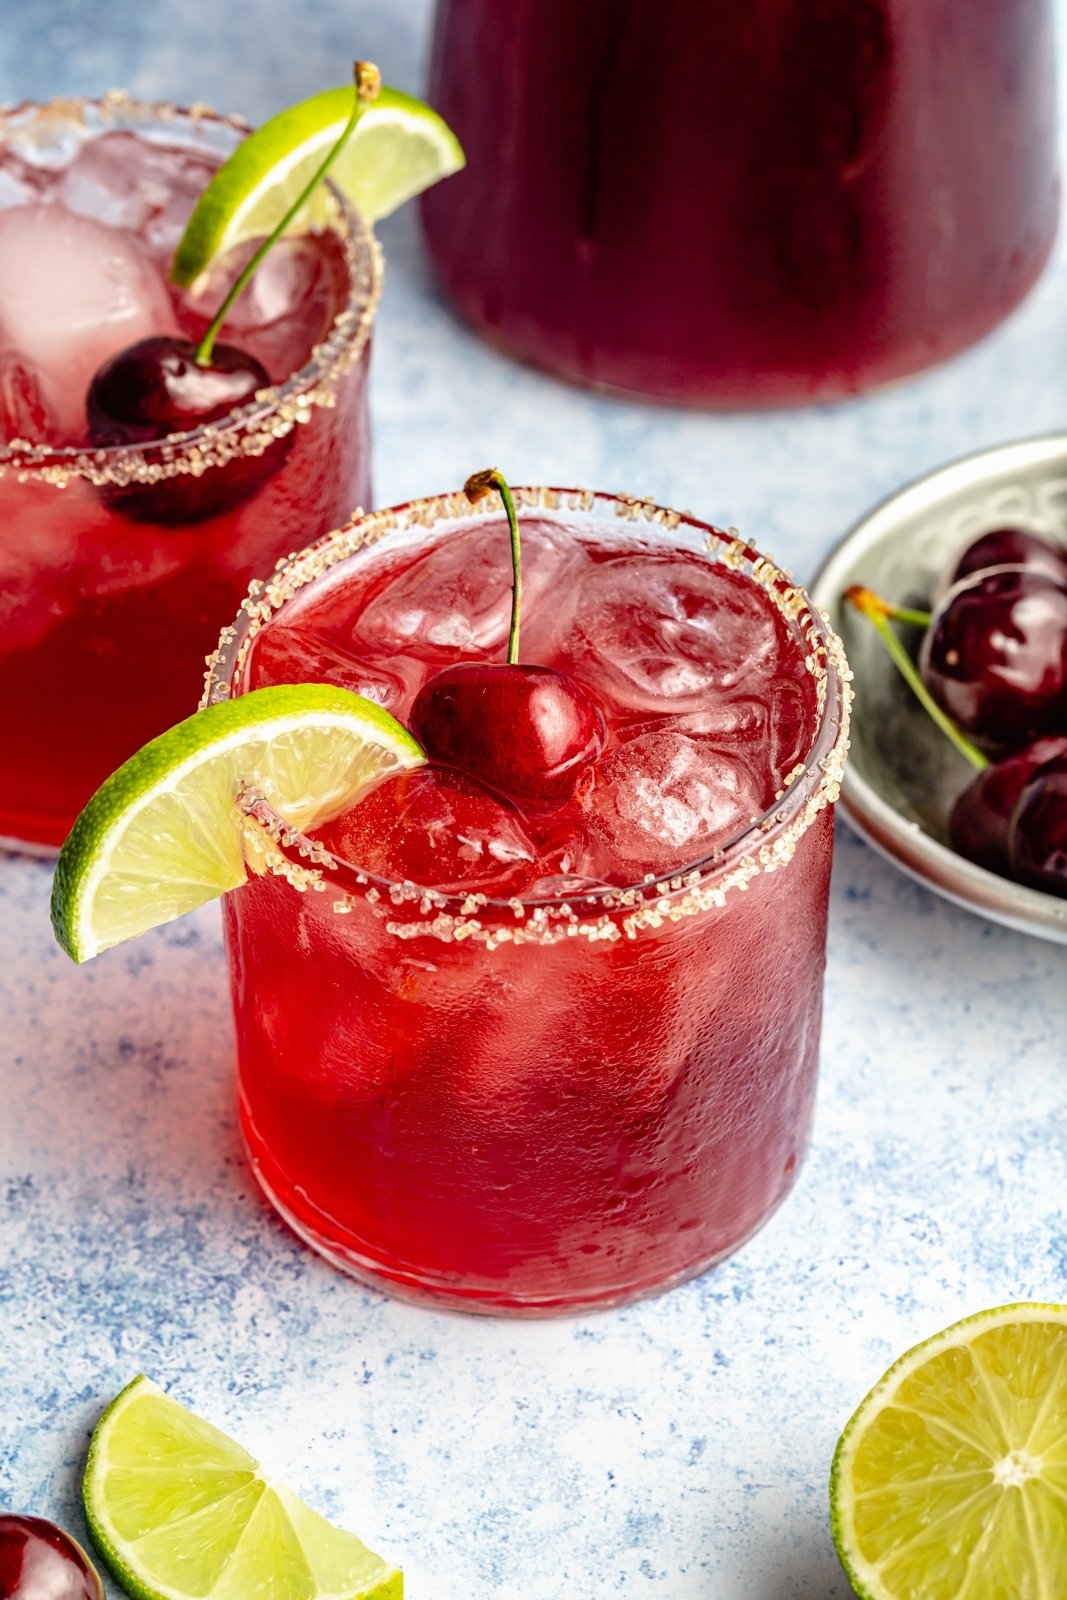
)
(921, 619)
(477, 486)
(879, 612)
(368, 82)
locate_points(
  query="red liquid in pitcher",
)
(743, 204)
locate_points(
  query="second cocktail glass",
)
(594, 1077)
(116, 564)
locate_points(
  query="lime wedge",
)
(177, 1509)
(164, 833)
(950, 1482)
(398, 148)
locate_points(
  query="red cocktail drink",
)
(743, 204)
(580, 1066)
(116, 563)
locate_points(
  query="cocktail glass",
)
(556, 1101)
(116, 564)
(749, 204)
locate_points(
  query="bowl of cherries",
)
(951, 597)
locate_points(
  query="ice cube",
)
(772, 733)
(436, 828)
(659, 633)
(187, 174)
(127, 181)
(72, 293)
(287, 308)
(564, 886)
(21, 183)
(302, 655)
(23, 414)
(663, 799)
(456, 598)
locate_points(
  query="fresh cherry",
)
(156, 388)
(437, 829)
(980, 817)
(163, 386)
(1010, 547)
(1037, 833)
(527, 731)
(995, 655)
(38, 1561)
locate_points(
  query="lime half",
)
(164, 833)
(177, 1509)
(398, 148)
(950, 1482)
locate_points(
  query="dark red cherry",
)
(156, 388)
(1037, 833)
(1010, 547)
(525, 730)
(978, 822)
(995, 655)
(438, 829)
(38, 1561)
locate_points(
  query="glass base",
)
(418, 1290)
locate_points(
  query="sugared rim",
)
(275, 411)
(608, 913)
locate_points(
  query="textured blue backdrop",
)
(675, 1450)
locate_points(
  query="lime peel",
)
(178, 1509)
(955, 1464)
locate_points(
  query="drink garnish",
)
(399, 148)
(166, 384)
(527, 730)
(164, 833)
(178, 1510)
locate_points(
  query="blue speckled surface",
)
(674, 1450)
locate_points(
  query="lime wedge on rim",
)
(950, 1482)
(177, 1509)
(164, 833)
(398, 148)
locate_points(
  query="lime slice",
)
(398, 148)
(950, 1482)
(164, 833)
(177, 1509)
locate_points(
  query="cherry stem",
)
(886, 608)
(879, 612)
(477, 486)
(368, 85)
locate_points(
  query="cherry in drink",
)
(745, 204)
(523, 1046)
(119, 552)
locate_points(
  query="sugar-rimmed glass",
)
(109, 610)
(534, 1105)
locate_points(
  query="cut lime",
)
(950, 1482)
(177, 1509)
(164, 833)
(398, 148)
